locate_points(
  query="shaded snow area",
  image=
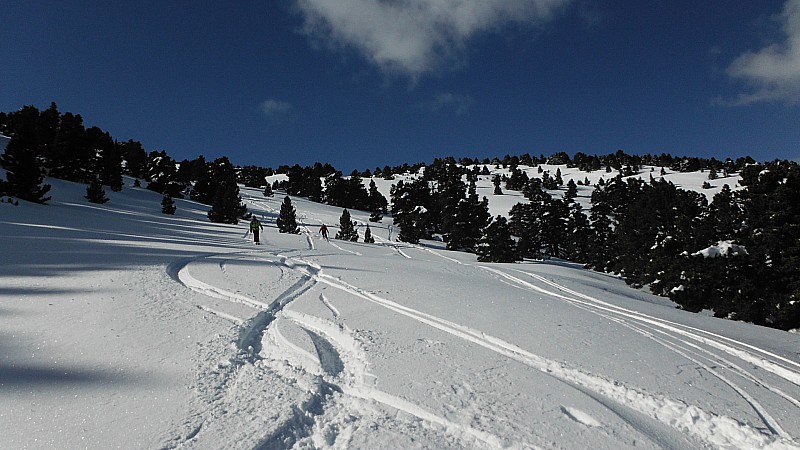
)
(121, 327)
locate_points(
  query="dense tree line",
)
(59, 145)
(346, 192)
(736, 255)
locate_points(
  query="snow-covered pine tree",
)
(108, 160)
(162, 175)
(471, 216)
(496, 245)
(95, 192)
(287, 219)
(347, 229)
(168, 205)
(368, 236)
(408, 210)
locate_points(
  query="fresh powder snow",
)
(121, 327)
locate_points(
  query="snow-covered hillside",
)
(121, 327)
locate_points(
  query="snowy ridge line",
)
(708, 427)
(694, 333)
(355, 374)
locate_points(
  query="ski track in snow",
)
(344, 370)
(711, 428)
(223, 409)
(345, 384)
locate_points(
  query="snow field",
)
(133, 329)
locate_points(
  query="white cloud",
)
(774, 71)
(458, 102)
(413, 37)
(274, 108)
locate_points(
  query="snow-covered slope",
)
(121, 327)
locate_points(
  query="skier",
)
(323, 230)
(255, 226)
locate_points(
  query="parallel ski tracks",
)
(685, 341)
(698, 346)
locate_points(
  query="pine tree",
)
(572, 191)
(578, 233)
(268, 191)
(376, 202)
(162, 175)
(412, 225)
(135, 158)
(368, 236)
(496, 245)
(347, 229)
(108, 160)
(73, 158)
(227, 206)
(168, 205)
(95, 192)
(409, 210)
(287, 220)
(23, 172)
(471, 216)
(496, 180)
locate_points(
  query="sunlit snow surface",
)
(121, 327)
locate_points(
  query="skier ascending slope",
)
(323, 230)
(255, 227)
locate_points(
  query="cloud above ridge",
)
(274, 107)
(413, 37)
(774, 71)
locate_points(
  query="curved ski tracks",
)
(339, 393)
(344, 369)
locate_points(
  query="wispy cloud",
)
(446, 100)
(273, 108)
(413, 37)
(773, 73)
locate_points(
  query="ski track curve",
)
(648, 325)
(351, 383)
(688, 339)
(344, 386)
(707, 427)
(777, 365)
(243, 367)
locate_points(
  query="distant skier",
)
(255, 227)
(323, 230)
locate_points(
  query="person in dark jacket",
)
(255, 228)
(323, 230)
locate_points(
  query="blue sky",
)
(365, 83)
